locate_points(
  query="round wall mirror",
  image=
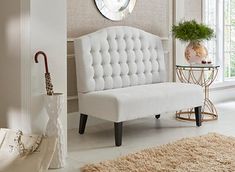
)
(115, 9)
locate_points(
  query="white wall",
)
(26, 27)
(49, 34)
(10, 82)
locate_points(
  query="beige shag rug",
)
(208, 153)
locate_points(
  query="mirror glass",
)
(115, 9)
(116, 5)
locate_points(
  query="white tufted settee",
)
(121, 76)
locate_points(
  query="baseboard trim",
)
(219, 95)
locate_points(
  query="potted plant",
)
(194, 33)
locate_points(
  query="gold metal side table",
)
(203, 75)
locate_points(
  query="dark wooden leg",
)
(157, 116)
(198, 116)
(118, 133)
(82, 124)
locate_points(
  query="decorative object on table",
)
(22, 144)
(25, 152)
(211, 152)
(194, 33)
(49, 86)
(54, 105)
(115, 10)
(21, 147)
(203, 75)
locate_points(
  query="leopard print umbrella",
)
(49, 86)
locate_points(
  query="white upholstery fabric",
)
(120, 71)
(118, 57)
(140, 101)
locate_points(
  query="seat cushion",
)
(140, 101)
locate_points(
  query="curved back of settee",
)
(117, 57)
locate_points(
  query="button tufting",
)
(133, 57)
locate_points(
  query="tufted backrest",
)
(116, 57)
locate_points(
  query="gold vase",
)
(196, 52)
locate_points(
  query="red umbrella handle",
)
(45, 59)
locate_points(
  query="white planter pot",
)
(54, 105)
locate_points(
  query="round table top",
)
(208, 66)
